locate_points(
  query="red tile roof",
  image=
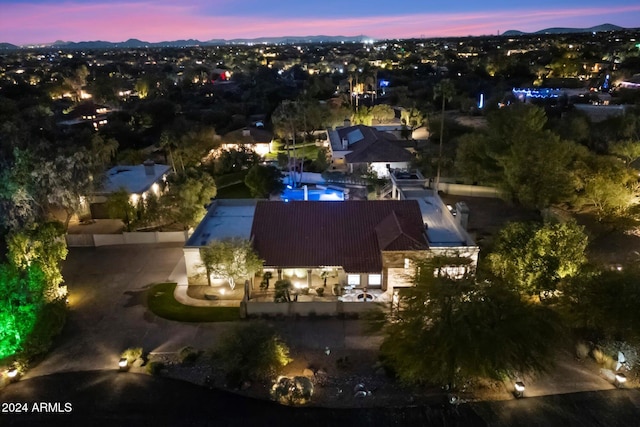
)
(350, 234)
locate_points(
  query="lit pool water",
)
(314, 194)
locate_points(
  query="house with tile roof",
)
(361, 147)
(358, 243)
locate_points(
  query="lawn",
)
(236, 191)
(161, 302)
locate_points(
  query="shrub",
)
(250, 352)
(337, 290)
(188, 355)
(292, 391)
(320, 291)
(282, 291)
(155, 368)
(132, 354)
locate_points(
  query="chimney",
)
(246, 132)
(149, 167)
(345, 143)
(462, 214)
(347, 122)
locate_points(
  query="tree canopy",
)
(530, 163)
(447, 331)
(535, 258)
(229, 259)
(263, 181)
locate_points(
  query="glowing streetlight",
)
(519, 389)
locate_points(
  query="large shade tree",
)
(517, 153)
(450, 330)
(535, 258)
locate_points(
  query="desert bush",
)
(188, 355)
(292, 391)
(132, 354)
(155, 368)
(251, 351)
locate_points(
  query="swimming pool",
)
(313, 194)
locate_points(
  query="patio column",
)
(309, 278)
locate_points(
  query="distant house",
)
(137, 180)
(86, 114)
(254, 138)
(360, 147)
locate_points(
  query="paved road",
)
(110, 398)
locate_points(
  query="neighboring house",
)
(254, 138)
(137, 180)
(86, 114)
(362, 147)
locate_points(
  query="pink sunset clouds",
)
(159, 21)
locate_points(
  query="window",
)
(353, 279)
(375, 279)
(407, 263)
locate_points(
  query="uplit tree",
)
(382, 113)
(187, 197)
(534, 259)
(250, 352)
(229, 259)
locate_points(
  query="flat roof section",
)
(442, 228)
(224, 219)
(134, 178)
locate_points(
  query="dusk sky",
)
(45, 21)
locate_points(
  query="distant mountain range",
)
(135, 43)
(560, 30)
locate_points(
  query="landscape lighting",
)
(123, 363)
(519, 386)
(620, 380)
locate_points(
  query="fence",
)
(312, 308)
(126, 238)
(469, 190)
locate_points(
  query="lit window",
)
(375, 279)
(353, 279)
(407, 263)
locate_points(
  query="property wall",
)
(126, 238)
(469, 190)
(328, 308)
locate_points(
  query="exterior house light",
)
(12, 373)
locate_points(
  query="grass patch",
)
(161, 302)
(237, 191)
(230, 178)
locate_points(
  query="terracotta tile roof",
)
(349, 234)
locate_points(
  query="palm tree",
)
(444, 90)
